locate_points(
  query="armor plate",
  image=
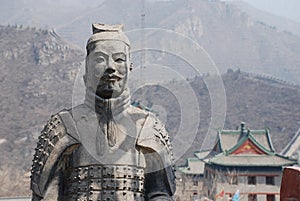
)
(53, 142)
(105, 182)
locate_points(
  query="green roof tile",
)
(230, 140)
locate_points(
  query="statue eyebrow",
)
(100, 54)
(119, 53)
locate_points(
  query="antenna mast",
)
(143, 45)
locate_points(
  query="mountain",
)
(231, 36)
(281, 23)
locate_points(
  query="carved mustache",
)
(112, 77)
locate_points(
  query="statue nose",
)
(110, 70)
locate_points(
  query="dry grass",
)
(13, 183)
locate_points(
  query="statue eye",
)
(100, 59)
(120, 60)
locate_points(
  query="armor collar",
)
(113, 105)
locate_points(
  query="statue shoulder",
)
(154, 135)
(156, 128)
(55, 139)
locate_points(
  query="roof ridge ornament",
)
(242, 126)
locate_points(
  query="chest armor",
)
(98, 171)
(104, 182)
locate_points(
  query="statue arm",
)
(52, 144)
(35, 197)
(159, 180)
(159, 174)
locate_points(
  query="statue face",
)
(107, 68)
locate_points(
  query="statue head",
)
(107, 61)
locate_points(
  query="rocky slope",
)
(235, 36)
(230, 36)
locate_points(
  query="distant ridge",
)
(271, 79)
(280, 23)
(234, 34)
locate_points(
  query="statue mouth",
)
(111, 77)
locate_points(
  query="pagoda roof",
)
(228, 139)
(193, 166)
(245, 147)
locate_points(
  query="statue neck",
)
(113, 106)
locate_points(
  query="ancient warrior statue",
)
(105, 148)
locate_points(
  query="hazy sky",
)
(285, 8)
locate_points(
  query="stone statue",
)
(105, 148)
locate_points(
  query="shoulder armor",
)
(154, 136)
(52, 143)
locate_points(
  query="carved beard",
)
(108, 124)
(106, 109)
(111, 128)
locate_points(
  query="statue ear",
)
(131, 67)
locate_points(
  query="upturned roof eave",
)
(264, 149)
(270, 140)
(219, 140)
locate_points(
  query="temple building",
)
(244, 160)
(190, 178)
(242, 163)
